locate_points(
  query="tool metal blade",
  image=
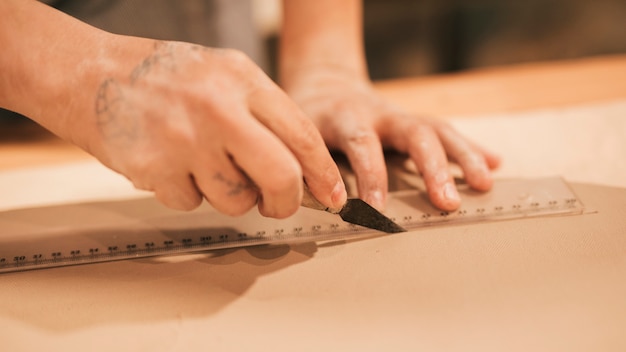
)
(358, 212)
(355, 211)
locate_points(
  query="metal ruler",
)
(97, 232)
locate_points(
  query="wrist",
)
(321, 72)
(47, 63)
(321, 38)
(53, 65)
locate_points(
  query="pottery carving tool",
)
(356, 211)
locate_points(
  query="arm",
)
(321, 37)
(184, 121)
(323, 69)
(48, 64)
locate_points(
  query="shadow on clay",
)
(141, 290)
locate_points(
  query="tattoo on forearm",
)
(162, 57)
(115, 116)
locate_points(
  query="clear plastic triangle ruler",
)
(96, 232)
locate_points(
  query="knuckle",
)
(308, 137)
(281, 212)
(140, 184)
(229, 195)
(419, 129)
(237, 56)
(177, 199)
(139, 173)
(188, 205)
(469, 158)
(143, 160)
(234, 206)
(239, 62)
(283, 178)
(361, 137)
(225, 187)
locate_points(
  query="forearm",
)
(51, 66)
(321, 35)
(178, 119)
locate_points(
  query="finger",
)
(178, 192)
(269, 164)
(281, 115)
(171, 184)
(493, 160)
(223, 185)
(365, 154)
(426, 151)
(471, 160)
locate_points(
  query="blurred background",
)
(402, 37)
(418, 37)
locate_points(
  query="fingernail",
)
(339, 195)
(450, 192)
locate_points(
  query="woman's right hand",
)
(189, 122)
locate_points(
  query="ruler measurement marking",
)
(204, 243)
(133, 252)
(144, 248)
(207, 242)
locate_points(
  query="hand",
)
(354, 119)
(188, 122)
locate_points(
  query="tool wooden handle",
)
(309, 201)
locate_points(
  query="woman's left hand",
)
(355, 120)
